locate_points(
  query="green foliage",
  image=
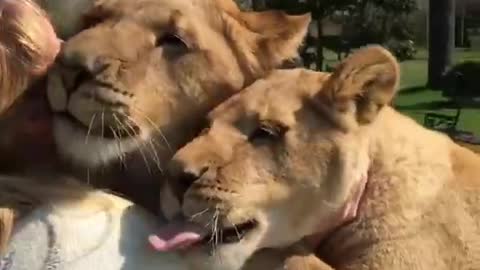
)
(381, 22)
(364, 21)
(402, 49)
(396, 6)
(325, 8)
(463, 80)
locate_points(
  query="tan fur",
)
(298, 256)
(117, 76)
(370, 187)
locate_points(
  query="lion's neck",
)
(409, 164)
(409, 171)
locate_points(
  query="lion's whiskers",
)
(121, 156)
(154, 155)
(90, 127)
(199, 214)
(214, 238)
(235, 228)
(131, 133)
(103, 121)
(155, 127)
(156, 158)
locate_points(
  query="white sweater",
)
(103, 232)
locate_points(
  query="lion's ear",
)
(264, 40)
(360, 87)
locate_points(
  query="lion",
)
(320, 157)
(134, 84)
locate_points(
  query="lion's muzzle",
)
(80, 93)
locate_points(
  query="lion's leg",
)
(296, 257)
(307, 261)
(414, 253)
(302, 257)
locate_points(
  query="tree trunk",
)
(442, 40)
(319, 45)
(460, 27)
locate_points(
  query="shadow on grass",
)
(432, 105)
(412, 90)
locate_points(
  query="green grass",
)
(415, 100)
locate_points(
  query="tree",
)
(441, 41)
(320, 9)
(323, 9)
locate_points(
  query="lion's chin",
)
(224, 257)
(94, 151)
(221, 249)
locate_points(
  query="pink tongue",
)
(177, 236)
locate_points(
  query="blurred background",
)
(436, 41)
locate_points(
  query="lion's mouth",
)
(184, 236)
(106, 131)
(230, 235)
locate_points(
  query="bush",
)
(463, 80)
(402, 49)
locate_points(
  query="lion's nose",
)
(82, 67)
(73, 75)
(184, 178)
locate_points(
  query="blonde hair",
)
(23, 47)
(25, 50)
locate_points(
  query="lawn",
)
(414, 99)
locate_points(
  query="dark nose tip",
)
(80, 69)
(185, 179)
(73, 78)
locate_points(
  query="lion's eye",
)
(172, 40)
(268, 130)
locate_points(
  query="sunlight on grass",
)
(414, 96)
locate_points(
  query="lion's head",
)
(281, 160)
(141, 74)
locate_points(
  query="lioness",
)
(134, 85)
(303, 153)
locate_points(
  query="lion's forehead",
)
(186, 7)
(278, 97)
